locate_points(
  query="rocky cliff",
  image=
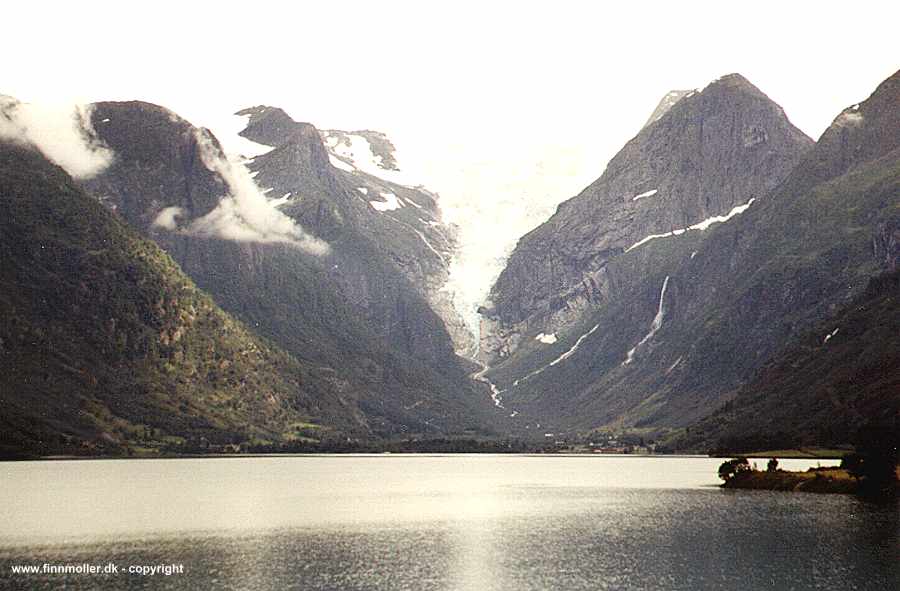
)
(689, 318)
(292, 252)
(701, 156)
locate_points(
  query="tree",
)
(874, 464)
(731, 468)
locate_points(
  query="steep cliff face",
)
(692, 317)
(348, 306)
(347, 184)
(706, 153)
(107, 346)
(171, 171)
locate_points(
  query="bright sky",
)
(504, 108)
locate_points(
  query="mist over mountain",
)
(283, 283)
(348, 306)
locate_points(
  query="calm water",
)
(434, 522)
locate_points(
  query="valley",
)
(682, 297)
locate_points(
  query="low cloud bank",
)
(244, 214)
(61, 133)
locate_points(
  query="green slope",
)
(106, 345)
(835, 380)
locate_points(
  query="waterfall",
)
(654, 326)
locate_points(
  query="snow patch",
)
(561, 358)
(547, 339)
(356, 149)
(363, 190)
(650, 193)
(338, 163)
(703, 225)
(390, 203)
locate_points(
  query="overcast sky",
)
(506, 109)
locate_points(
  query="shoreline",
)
(61, 458)
(814, 480)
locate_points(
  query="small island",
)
(864, 474)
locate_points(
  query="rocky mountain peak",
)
(144, 132)
(157, 150)
(272, 126)
(707, 155)
(861, 132)
(734, 80)
(372, 151)
(666, 103)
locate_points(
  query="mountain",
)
(833, 381)
(106, 346)
(309, 268)
(708, 154)
(666, 103)
(689, 317)
(357, 172)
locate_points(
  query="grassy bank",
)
(817, 480)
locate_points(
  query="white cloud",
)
(167, 218)
(503, 128)
(63, 133)
(245, 214)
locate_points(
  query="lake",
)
(441, 522)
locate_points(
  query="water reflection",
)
(459, 523)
